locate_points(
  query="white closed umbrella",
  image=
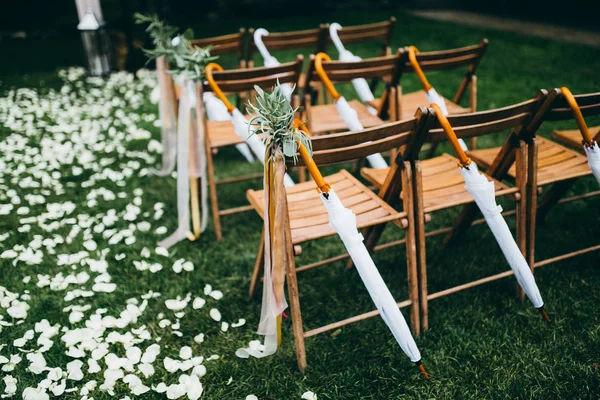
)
(590, 146)
(432, 96)
(269, 60)
(347, 113)
(361, 86)
(167, 118)
(217, 111)
(343, 221)
(483, 193)
(240, 124)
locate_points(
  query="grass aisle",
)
(81, 279)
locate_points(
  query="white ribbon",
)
(435, 98)
(183, 173)
(168, 125)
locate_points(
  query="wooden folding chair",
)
(442, 60)
(308, 219)
(439, 185)
(222, 133)
(234, 43)
(325, 118)
(550, 164)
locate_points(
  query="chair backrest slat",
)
(589, 104)
(313, 39)
(343, 72)
(240, 80)
(227, 44)
(378, 31)
(446, 59)
(513, 117)
(335, 148)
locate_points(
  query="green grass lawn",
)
(482, 343)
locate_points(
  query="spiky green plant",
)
(273, 117)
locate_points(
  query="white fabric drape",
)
(435, 98)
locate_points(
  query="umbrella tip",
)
(544, 314)
(422, 369)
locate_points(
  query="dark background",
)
(53, 22)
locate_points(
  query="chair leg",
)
(521, 207)
(420, 245)
(292, 284)
(531, 194)
(411, 249)
(258, 264)
(554, 194)
(213, 194)
(301, 174)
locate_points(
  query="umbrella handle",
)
(262, 49)
(323, 76)
(323, 186)
(412, 57)
(585, 132)
(465, 161)
(213, 85)
(333, 28)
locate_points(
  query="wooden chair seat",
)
(325, 118)
(411, 101)
(308, 217)
(572, 137)
(443, 185)
(555, 162)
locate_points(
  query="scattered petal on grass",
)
(308, 395)
(215, 314)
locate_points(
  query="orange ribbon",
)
(313, 170)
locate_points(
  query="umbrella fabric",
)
(269, 60)
(168, 125)
(257, 146)
(483, 192)
(343, 221)
(593, 156)
(360, 84)
(217, 111)
(350, 118)
(275, 260)
(183, 176)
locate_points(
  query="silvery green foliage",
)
(160, 33)
(273, 116)
(184, 59)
